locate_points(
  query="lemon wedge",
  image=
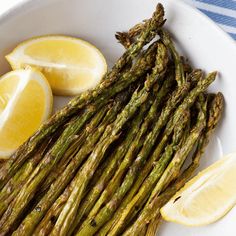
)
(71, 65)
(25, 102)
(207, 197)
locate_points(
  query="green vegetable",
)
(57, 187)
(151, 209)
(102, 92)
(68, 213)
(116, 181)
(159, 167)
(106, 212)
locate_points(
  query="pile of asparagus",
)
(107, 162)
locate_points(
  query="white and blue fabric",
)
(223, 12)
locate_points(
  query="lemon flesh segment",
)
(25, 103)
(71, 65)
(207, 197)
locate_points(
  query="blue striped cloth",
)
(223, 12)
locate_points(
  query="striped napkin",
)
(223, 12)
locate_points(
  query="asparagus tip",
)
(213, 74)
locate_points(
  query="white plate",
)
(199, 39)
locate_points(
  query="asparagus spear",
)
(117, 178)
(29, 223)
(143, 231)
(39, 174)
(106, 212)
(149, 165)
(11, 189)
(82, 180)
(49, 127)
(186, 66)
(107, 169)
(112, 166)
(55, 212)
(50, 197)
(153, 226)
(112, 205)
(134, 204)
(188, 102)
(49, 219)
(72, 151)
(46, 224)
(68, 213)
(179, 68)
(69, 155)
(134, 148)
(178, 159)
(151, 210)
(181, 155)
(146, 35)
(214, 114)
(194, 135)
(13, 186)
(127, 38)
(75, 147)
(195, 76)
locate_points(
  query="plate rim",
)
(29, 4)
